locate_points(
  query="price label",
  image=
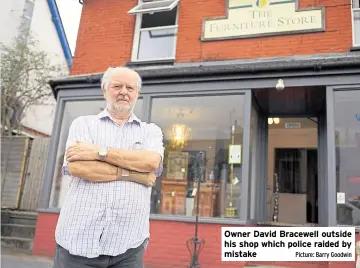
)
(194, 191)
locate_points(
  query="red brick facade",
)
(106, 35)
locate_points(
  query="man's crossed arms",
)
(130, 165)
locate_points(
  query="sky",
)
(70, 12)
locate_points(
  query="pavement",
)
(17, 259)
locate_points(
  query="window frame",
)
(353, 11)
(138, 30)
(331, 159)
(138, 10)
(243, 212)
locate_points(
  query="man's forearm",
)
(136, 160)
(97, 171)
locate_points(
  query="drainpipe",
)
(55, 16)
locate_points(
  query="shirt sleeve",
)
(154, 142)
(78, 131)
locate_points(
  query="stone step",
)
(18, 230)
(5, 215)
(17, 243)
(18, 217)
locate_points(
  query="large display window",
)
(198, 131)
(347, 144)
(72, 110)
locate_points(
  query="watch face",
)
(102, 152)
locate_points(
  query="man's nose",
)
(123, 90)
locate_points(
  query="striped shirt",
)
(111, 217)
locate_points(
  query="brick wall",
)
(167, 246)
(106, 35)
(44, 239)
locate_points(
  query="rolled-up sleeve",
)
(154, 142)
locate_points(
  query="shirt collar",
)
(105, 113)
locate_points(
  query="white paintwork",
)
(40, 117)
(138, 30)
(10, 13)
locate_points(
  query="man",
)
(113, 158)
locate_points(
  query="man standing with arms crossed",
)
(113, 158)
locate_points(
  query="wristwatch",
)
(103, 153)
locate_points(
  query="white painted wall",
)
(42, 27)
(41, 117)
(10, 14)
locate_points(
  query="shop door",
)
(292, 157)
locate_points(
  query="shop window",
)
(197, 134)
(356, 22)
(72, 110)
(347, 140)
(155, 30)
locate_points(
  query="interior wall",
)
(288, 203)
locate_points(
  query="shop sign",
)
(254, 18)
(292, 125)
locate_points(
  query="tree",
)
(25, 73)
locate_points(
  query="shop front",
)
(273, 143)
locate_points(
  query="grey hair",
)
(106, 79)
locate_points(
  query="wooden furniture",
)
(173, 196)
(208, 200)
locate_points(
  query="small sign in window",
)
(292, 125)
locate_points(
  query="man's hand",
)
(151, 179)
(81, 151)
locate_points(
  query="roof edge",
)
(226, 67)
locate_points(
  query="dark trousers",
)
(132, 258)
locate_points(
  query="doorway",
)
(288, 150)
(296, 185)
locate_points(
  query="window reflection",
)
(72, 110)
(157, 36)
(197, 135)
(347, 138)
(356, 27)
(157, 44)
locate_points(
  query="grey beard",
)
(121, 108)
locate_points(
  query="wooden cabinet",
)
(208, 200)
(173, 197)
